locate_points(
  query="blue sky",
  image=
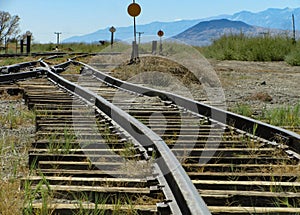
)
(78, 17)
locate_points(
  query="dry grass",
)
(145, 200)
(11, 198)
(152, 64)
(162, 74)
(13, 157)
(16, 125)
(14, 60)
(261, 96)
(57, 60)
(16, 116)
(4, 95)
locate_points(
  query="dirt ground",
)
(258, 84)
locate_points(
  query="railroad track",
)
(16, 68)
(237, 165)
(98, 169)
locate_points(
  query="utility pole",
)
(294, 29)
(57, 34)
(140, 34)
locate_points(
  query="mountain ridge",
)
(124, 33)
(273, 18)
(204, 33)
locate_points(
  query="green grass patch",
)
(283, 116)
(260, 48)
(243, 109)
(68, 47)
(14, 60)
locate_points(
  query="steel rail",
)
(14, 68)
(38, 54)
(185, 193)
(263, 130)
(13, 55)
(9, 78)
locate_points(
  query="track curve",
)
(237, 165)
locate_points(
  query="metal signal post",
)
(160, 33)
(134, 10)
(112, 30)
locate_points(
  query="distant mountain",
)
(125, 33)
(270, 18)
(204, 32)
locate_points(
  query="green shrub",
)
(293, 58)
(246, 48)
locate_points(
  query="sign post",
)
(160, 33)
(112, 30)
(134, 10)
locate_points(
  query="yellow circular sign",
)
(134, 9)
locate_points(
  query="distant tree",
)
(9, 26)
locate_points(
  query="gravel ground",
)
(14, 142)
(259, 84)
